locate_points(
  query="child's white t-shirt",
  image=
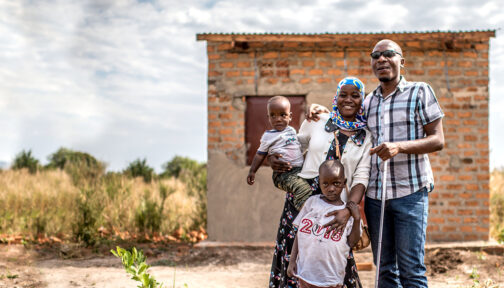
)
(322, 256)
(284, 142)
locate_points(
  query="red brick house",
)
(245, 69)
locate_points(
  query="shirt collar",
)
(358, 137)
(400, 86)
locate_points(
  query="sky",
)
(124, 79)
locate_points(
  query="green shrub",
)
(149, 214)
(84, 169)
(25, 160)
(178, 164)
(194, 175)
(89, 209)
(139, 168)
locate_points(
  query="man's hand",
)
(386, 150)
(339, 221)
(278, 164)
(251, 178)
(314, 111)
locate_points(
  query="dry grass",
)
(497, 204)
(47, 203)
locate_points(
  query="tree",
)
(139, 168)
(25, 159)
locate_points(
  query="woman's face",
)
(349, 102)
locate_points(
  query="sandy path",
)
(218, 267)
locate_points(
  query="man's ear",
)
(402, 62)
(290, 115)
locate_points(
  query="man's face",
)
(387, 68)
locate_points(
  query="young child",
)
(319, 257)
(283, 140)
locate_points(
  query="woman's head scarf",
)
(360, 120)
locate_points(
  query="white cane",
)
(380, 235)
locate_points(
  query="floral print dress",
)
(287, 232)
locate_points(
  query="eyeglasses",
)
(386, 53)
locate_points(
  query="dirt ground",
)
(209, 265)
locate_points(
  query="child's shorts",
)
(304, 284)
(290, 182)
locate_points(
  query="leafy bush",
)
(89, 209)
(139, 168)
(179, 164)
(150, 213)
(194, 175)
(25, 160)
(82, 167)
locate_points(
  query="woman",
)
(346, 122)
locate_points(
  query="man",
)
(405, 120)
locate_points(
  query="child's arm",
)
(354, 236)
(256, 163)
(292, 269)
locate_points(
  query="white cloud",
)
(123, 79)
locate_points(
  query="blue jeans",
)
(404, 226)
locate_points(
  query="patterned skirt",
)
(285, 241)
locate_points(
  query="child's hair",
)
(332, 164)
(278, 98)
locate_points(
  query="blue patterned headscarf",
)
(360, 120)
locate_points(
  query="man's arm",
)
(433, 141)
(314, 111)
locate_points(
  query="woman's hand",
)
(314, 111)
(339, 221)
(278, 164)
(354, 210)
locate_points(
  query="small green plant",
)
(25, 159)
(475, 277)
(500, 236)
(139, 168)
(134, 263)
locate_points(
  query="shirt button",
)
(325, 152)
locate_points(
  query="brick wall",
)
(454, 64)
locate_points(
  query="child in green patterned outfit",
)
(282, 140)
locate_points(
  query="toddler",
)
(319, 256)
(282, 140)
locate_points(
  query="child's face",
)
(279, 114)
(332, 181)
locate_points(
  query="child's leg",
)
(291, 183)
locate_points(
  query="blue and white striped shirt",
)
(401, 116)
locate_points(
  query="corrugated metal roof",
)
(351, 33)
